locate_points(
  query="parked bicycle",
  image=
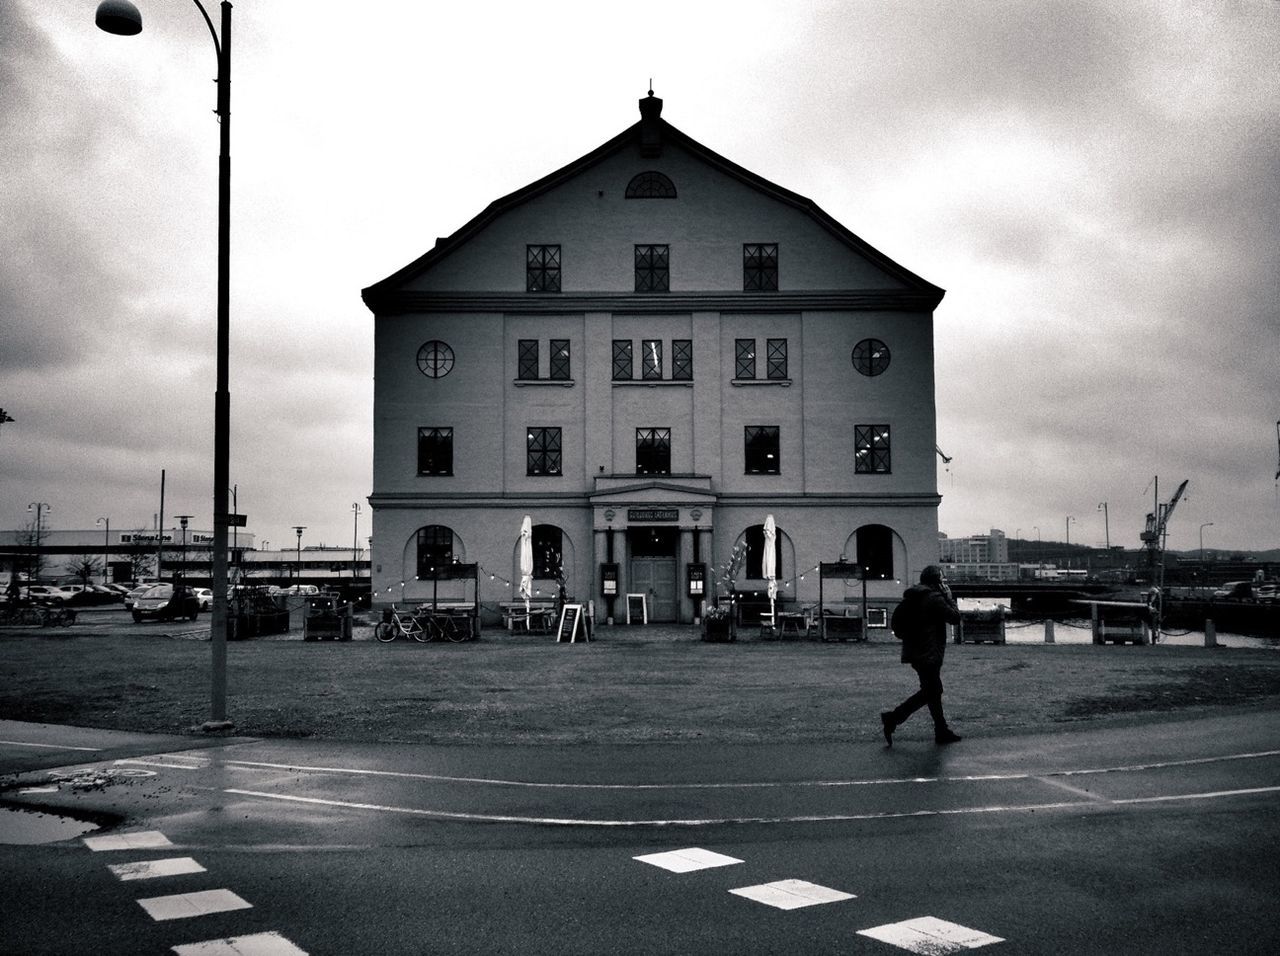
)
(38, 616)
(394, 624)
(445, 626)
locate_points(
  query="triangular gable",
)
(629, 136)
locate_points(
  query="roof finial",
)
(651, 86)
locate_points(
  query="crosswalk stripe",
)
(140, 840)
(687, 860)
(187, 905)
(152, 869)
(930, 935)
(792, 894)
(259, 944)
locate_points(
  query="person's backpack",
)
(904, 622)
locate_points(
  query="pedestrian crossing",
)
(184, 906)
(926, 935)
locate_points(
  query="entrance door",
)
(656, 578)
(653, 569)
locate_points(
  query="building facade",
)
(991, 548)
(647, 352)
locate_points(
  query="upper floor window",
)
(871, 449)
(543, 452)
(682, 360)
(653, 451)
(744, 365)
(760, 267)
(761, 450)
(528, 359)
(542, 269)
(435, 359)
(651, 359)
(651, 185)
(621, 360)
(560, 359)
(435, 451)
(653, 268)
(776, 358)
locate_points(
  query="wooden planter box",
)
(718, 629)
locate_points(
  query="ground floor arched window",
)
(875, 550)
(435, 549)
(753, 564)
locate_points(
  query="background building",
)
(991, 548)
(647, 352)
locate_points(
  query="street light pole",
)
(106, 547)
(298, 529)
(42, 507)
(1207, 524)
(1069, 520)
(122, 18)
(182, 521)
(1106, 524)
(355, 540)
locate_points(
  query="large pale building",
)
(647, 352)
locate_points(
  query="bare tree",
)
(85, 567)
(29, 542)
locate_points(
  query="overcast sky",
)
(1095, 185)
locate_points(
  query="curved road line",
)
(747, 785)
(814, 818)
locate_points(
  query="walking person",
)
(920, 621)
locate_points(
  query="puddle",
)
(20, 826)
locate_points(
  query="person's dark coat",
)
(932, 612)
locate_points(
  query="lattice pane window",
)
(622, 360)
(776, 358)
(544, 451)
(744, 358)
(435, 359)
(871, 449)
(651, 185)
(653, 268)
(761, 450)
(435, 549)
(560, 359)
(651, 359)
(870, 356)
(528, 359)
(682, 360)
(435, 451)
(760, 267)
(653, 451)
(542, 269)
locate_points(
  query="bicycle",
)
(38, 616)
(393, 625)
(449, 627)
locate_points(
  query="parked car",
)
(1234, 591)
(204, 596)
(84, 595)
(1266, 592)
(165, 602)
(44, 594)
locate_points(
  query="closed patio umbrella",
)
(526, 562)
(768, 560)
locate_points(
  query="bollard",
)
(1210, 633)
(1048, 632)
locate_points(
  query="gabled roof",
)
(641, 133)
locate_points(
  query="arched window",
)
(875, 550)
(651, 185)
(753, 566)
(435, 549)
(548, 551)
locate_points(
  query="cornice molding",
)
(399, 302)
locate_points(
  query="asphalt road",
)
(1152, 837)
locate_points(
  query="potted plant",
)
(718, 619)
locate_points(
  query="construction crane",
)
(1156, 532)
(946, 459)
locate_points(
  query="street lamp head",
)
(119, 17)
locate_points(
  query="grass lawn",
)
(617, 689)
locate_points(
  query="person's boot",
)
(947, 736)
(888, 724)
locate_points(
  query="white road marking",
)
(23, 743)
(168, 763)
(153, 869)
(687, 860)
(188, 905)
(695, 822)
(140, 840)
(792, 894)
(1199, 796)
(39, 790)
(743, 785)
(259, 944)
(930, 935)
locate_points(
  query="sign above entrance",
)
(653, 514)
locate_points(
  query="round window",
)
(435, 359)
(871, 356)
